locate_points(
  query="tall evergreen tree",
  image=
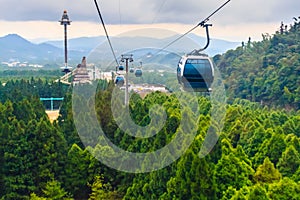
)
(285, 189)
(266, 173)
(231, 170)
(289, 161)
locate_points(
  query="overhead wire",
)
(202, 23)
(120, 16)
(158, 11)
(106, 33)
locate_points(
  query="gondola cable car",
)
(121, 67)
(119, 80)
(131, 70)
(195, 71)
(138, 71)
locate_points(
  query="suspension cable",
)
(158, 11)
(120, 16)
(103, 24)
(202, 23)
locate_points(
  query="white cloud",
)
(145, 11)
(243, 17)
(44, 30)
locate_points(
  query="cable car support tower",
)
(65, 22)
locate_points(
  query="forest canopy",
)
(267, 71)
(257, 155)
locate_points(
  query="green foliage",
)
(101, 190)
(231, 170)
(77, 171)
(32, 150)
(66, 123)
(271, 148)
(16, 74)
(285, 189)
(251, 133)
(229, 193)
(33, 196)
(289, 162)
(41, 160)
(258, 192)
(192, 180)
(266, 71)
(54, 191)
(296, 176)
(226, 176)
(266, 173)
(241, 194)
(16, 90)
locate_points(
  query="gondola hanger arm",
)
(197, 52)
(202, 23)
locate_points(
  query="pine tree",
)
(231, 170)
(258, 192)
(77, 172)
(296, 176)
(289, 161)
(271, 148)
(101, 190)
(17, 182)
(266, 173)
(285, 189)
(54, 191)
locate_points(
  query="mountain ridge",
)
(218, 46)
(14, 47)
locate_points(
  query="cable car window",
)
(197, 66)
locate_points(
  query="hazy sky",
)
(36, 19)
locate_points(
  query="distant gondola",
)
(121, 67)
(138, 73)
(119, 80)
(195, 73)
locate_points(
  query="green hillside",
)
(257, 155)
(267, 71)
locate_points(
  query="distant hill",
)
(125, 43)
(143, 48)
(81, 44)
(15, 48)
